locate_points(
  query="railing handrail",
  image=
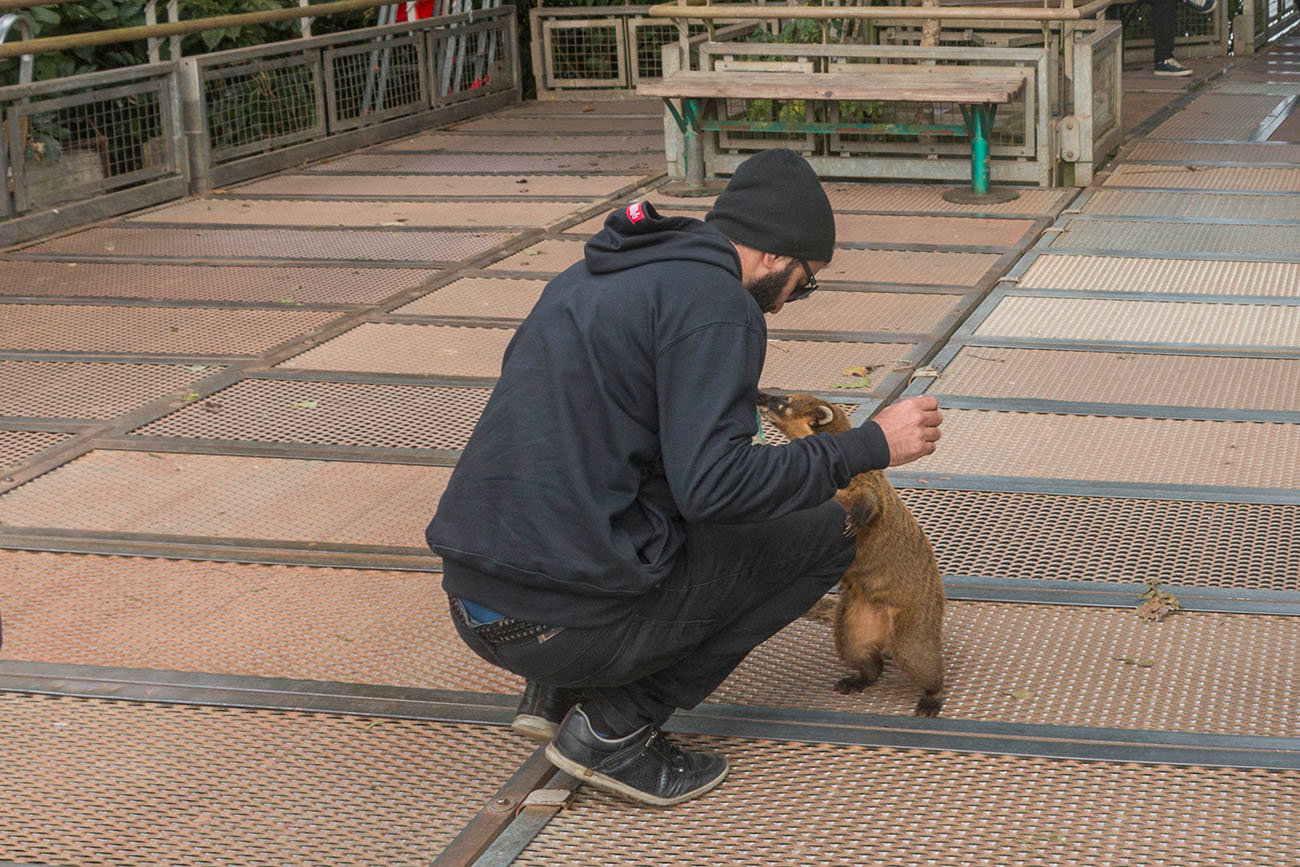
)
(194, 25)
(27, 30)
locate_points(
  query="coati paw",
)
(853, 683)
(928, 706)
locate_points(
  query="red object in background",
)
(415, 11)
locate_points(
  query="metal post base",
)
(685, 189)
(967, 196)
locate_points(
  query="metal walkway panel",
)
(476, 143)
(1202, 153)
(98, 390)
(1228, 207)
(1211, 178)
(1242, 546)
(298, 622)
(798, 803)
(549, 257)
(1127, 274)
(1265, 83)
(330, 413)
(812, 365)
(647, 106)
(956, 231)
(1218, 117)
(18, 445)
(523, 165)
(1146, 450)
(1289, 129)
(919, 313)
(1097, 667)
(233, 497)
(1122, 378)
(1145, 321)
(113, 782)
(268, 283)
(921, 198)
(909, 267)
(344, 245)
(173, 330)
(407, 186)
(1221, 238)
(424, 350)
(369, 215)
(497, 297)
(543, 126)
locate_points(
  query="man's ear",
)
(775, 264)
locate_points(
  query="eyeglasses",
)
(806, 289)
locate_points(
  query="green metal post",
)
(979, 150)
(693, 144)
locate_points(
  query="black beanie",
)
(775, 203)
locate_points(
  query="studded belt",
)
(507, 628)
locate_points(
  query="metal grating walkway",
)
(225, 422)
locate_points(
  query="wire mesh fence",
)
(257, 105)
(370, 83)
(104, 132)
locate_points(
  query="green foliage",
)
(91, 16)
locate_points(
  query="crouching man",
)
(611, 533)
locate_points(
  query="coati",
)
(892, 597)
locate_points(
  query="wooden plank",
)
(964, 85)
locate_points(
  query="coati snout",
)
(892, 597)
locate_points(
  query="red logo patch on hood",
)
(635, 212)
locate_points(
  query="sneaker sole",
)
(534, 727)
(609, 784)
(1173, 74)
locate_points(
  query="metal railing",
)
(84, 147)
(1262, 21)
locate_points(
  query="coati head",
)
(800, 415)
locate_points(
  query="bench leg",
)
(979, 123)
(693, 151)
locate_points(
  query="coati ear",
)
(823, 416)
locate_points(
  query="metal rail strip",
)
(803, 725)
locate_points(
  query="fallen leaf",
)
(1128, 660)
(864, 382)
(191, 397)
(1019, 693)
(196, 367)
(307, 404)
(860, 370)
(1157, 604)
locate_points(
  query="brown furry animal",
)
(892, 597)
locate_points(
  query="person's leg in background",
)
(1162, 33)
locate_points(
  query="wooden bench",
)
(977, 89)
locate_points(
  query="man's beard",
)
(767, 289)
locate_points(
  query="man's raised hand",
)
(911, 428)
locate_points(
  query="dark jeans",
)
(1162, 28)
(735, 586)
(1162, 25)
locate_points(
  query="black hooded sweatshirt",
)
(625, 410)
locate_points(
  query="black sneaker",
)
(1172, 69)
(1205, 7)
(644, 766)
(541, 709)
